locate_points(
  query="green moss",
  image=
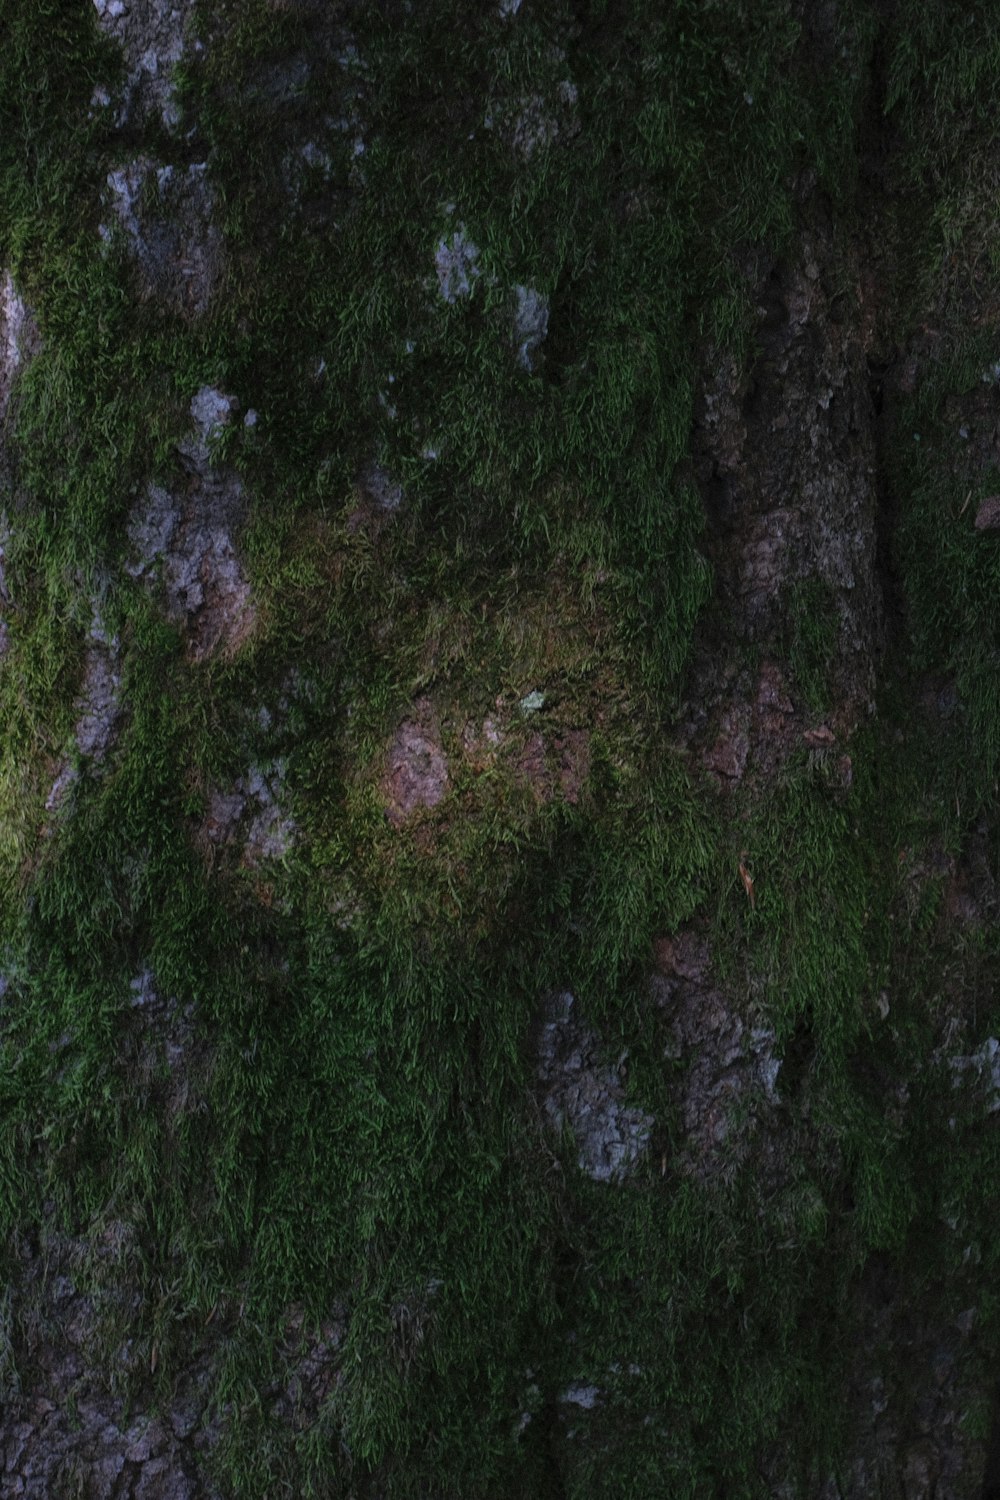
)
(813, 645)
(357, 1125)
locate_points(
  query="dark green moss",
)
(356, 1126)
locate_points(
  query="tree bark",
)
(498, 809)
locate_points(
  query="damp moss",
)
(356, 1124)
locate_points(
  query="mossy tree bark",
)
(498, 782)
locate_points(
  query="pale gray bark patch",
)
(981, 1067)
(586, 1397)
(272, 831)
(62, 786)
(583, 1092)
(252, 815)
(206, 591)
(211, 411)
(153, 36)
(531, 324)
(65, 1432)
(98, 702)
(166, 215)
(19, 338)
(456, 263)
(539, 120)
(189, 540)
(542, 108)
(385, 491)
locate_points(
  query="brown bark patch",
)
(988, 514)
(416, 775)
(556, 768)
(727, 756)
(573, 763)
(378, 498)
(728, 1086)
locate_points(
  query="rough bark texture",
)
(499, 638)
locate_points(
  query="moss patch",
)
(507, 559)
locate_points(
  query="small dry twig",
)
(747, 878)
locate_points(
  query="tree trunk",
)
(500, 744)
